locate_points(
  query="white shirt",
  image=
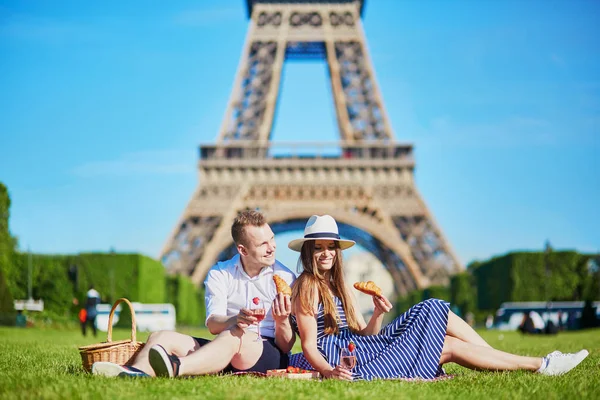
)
(228, 289)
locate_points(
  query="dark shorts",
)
(271, 357)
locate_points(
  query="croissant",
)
(369, 288)
(281, 285)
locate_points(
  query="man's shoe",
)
(163, 363)
(558, 363)
(105, 368)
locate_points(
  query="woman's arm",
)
(359, 317)
(307, 329)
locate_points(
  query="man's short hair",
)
(245, 218)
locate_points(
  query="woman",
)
(414, 345)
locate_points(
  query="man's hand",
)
(382, 304)
(281, 308)
(245, 318)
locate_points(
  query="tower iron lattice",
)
(366, 183)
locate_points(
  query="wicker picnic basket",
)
(120, 352)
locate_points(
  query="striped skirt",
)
(408, 347)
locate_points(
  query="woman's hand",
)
(382, 304)
(338, 373)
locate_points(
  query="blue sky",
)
(103, 105)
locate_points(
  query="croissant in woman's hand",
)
(369, 288)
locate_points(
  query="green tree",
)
(7, 248)
(7, 242)
(7, 308)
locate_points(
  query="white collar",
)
(240, 269)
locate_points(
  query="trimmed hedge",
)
(187, 299)
(152, 281)
(532, 276)
(124, 318)
(519, 276)
(416, 296)
(436, 292)
(49, 281)
(463, 292)
(62, 281)
(113, 275)
(58, 280)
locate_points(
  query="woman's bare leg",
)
(485, 358)
(459, 329)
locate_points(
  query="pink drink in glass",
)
(259, 312)
(347, 359)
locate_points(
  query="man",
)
(230, 287)
(92, 299)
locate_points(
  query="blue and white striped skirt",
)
(408, 347)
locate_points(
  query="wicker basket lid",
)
(104, 345)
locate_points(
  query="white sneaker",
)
(105, 368)
(559, 363)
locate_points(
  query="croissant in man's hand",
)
(281, 285)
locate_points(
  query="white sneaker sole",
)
(581, 355)
(105, 368)
(160, 362)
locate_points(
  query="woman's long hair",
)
(312, 279)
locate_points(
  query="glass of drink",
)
(258, 311)
(347, 359)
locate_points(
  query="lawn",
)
(44, 363)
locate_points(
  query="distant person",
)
(571, 321)
(489, 321)
(561, 324)
(21, 320)
(588, 315)
(551, 328)
(82, 320)
(91, 301)
(456, 310)
(527, 325)
(470, 319)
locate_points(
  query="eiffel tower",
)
(366, 184)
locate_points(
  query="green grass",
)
(45, 363)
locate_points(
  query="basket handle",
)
(112, 313)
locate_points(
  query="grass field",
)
(40, 364)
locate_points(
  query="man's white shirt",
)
(228, 289)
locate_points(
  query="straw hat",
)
(321, 227)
